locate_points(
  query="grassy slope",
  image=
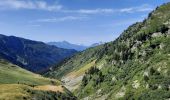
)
(134, 66)
(17, 83)
(10, 73)
(75, 63)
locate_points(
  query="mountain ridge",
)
(67, 45)
(32, 55)
(134, 66)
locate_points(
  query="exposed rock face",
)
(121, 93)
(168, 33)
(146, 73)
(158, 34)
(135, 84)
(71, 83)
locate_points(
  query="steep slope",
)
(19, 84)
(67, 45)
(31, 55)
(134, 66)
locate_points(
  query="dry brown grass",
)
(13, 91)
(81, 71)
(50, 88)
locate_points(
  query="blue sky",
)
(77, 21)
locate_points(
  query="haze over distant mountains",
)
(67, 45)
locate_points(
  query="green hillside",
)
(19, 84)
(136, 66)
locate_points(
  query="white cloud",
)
(23, 4)
(61, 19)
(42, 5)
(90, 11)
(142, 8)
(128, 10)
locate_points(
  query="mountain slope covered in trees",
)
(32, 55)
(134, 66)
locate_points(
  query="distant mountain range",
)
(32, 55)
(67, 45)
